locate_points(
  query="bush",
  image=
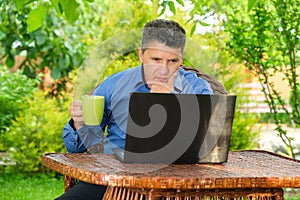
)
(284, 118)
(15, 87)
(244, 131)
(244, 137)
(37, 130)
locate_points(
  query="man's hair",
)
(167, 32)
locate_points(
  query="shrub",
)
(244, 130)
(37, 130)
(15, 87)
(244, 136)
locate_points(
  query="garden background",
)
(46, 45)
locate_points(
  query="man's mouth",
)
(163, 80)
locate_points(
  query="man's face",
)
(160, 62)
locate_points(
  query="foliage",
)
(24, 187)
(60, 49)
(293, 100)
(57, 44)
(15, 87)
(267, 40)
(213, 58)
(244, 131)
(67, 8)
(37, 130)
(116, 45)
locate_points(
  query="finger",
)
(172, 79)
(75, 105)
(78, 119)
(160, 88)
(77, 113)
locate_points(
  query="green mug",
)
(92, 109)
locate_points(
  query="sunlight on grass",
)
(20, 187)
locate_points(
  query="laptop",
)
(177, 128)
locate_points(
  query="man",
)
(161, 54)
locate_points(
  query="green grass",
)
(23, 187)
(292, 194)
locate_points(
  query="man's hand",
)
(161, 87)
(75, 110)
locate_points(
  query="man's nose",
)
(164, 69)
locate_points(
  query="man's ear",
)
(182, 57)
(183, 54)
(140, 55)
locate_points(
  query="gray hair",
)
(167, 32)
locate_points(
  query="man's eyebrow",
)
(155, 57)
(173, 59)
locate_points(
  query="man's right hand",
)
(75, 110)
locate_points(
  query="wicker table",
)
(247, 174)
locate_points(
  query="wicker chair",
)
(216, 86)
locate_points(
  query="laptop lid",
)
(172, 128)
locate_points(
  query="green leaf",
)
(218, 2)
(55, 4)
(10, 60)
(26, 71)
(193, 29)
(251, 4)
(64, 62)
(180, 2)
(2, 35)
(55, 73)
(162, 11)
(163, 5)
(71, 10)
(36, 18)
(172, 7)
(21, 3)
(203, 23)
(40, 38)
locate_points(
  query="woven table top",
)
(244, 169)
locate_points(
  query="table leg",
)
(118, 193)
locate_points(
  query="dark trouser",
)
(84, 191)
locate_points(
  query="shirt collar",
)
(140, 76)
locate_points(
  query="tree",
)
(59, 34)
(57, 45)
(267, 40)
(264, 35)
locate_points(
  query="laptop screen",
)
(172, 128)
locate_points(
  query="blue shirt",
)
(116, 90)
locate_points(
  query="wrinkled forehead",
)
(161, 47)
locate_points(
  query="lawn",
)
(37, 187)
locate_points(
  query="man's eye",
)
(174, 61)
